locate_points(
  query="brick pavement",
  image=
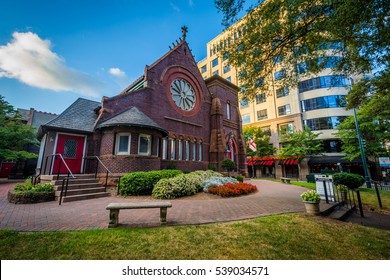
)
(271, 198)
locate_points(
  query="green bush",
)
(240, 178)
(228, 164)
(352, 181)
(142, 183)
(182, 185)
(29, 188)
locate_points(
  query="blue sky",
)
(52, 52)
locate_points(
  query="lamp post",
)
(366, 176)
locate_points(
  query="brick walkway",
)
(271, 198)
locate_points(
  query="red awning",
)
(271, 162)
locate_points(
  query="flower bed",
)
(28, 193)
(232, 189)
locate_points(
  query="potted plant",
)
(342, 191)
(311, 199)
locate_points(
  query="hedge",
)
(142, 183)
(351, 180)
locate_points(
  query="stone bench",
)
(285, 180)
(115, 207)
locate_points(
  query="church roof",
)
(80, 116)
(132, 117)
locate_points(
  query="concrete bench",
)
(115, 207)
(285, 180)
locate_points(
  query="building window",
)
(193, 151)
(200, 151)
(280, 92)
(180, 143)
(157, 146)
(187, 150)
(216, 72)
(144, 144)
(173, 149)
(203, 69)
(286, 128)
(214, 62)
(323, 123)
(244, 103)
(332, 146)
(165, 148)
(246, 118)
(228, 111)
(261, 98)
(278, 58)
(70, 148)
(122, 144)
(226, 55)
(226, 68)
(332, 101)
(284, 110)
(323, 82)
(262, 115)
(280, 75)
(229, 79)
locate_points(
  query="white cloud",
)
(173, 6)
(117, 72)
(30, 60)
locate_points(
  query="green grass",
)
(370, 200)
(287, 236)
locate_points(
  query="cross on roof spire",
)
(184, 31)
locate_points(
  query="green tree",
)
(376, 134)
(302, 36)
(14, 135)
(301, 144)
(228, 164)
(261, 139)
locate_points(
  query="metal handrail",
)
(59, 167)
(97, 166)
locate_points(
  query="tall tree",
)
(261, 139)
(14, 135)
(301, 144)
(374, 132)
(303, 37)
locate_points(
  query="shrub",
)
(352, 181)
(240, 178)
(142, 183)
(311, 196)
(174, 187)
(233, 189)
(28, 187)
(228, 164)
(182, 185)
(217, 181)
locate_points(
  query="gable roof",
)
(80, 117)
(132, 117)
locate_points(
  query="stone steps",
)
(83, 186)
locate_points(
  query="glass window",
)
(193, 151)
(261, 98)
(278, 59)
(332, 101)
(228, 111)
(244, 103)
(187, 150)
(262, 115)
(286, 128)
(180, 143)
(280, 75)
(284, 110)
(214, 62)
(323, 82)
(144, 145)
(332, 146)
(203, 69)
(259, 82)
(226, 68)
(246, 118)
(70, 148)
(226, 55)
(280, 92)
(173, 149)
(165, 148)
(200, 157)
(216, 72)
(229, 79)
(122, 145)
(324, 123)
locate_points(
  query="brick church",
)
(170, 117)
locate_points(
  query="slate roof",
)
(80, 116)
(132, 117)
(40, 118)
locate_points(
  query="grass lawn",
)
(287, 236)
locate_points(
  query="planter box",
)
(30, 197)
(312, 208)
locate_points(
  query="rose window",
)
(183, 94)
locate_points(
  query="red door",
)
(71, 147)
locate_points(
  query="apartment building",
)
(316, 101)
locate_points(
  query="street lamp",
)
(366, 176)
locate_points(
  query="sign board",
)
(384, 162)
(322, 182)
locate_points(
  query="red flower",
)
(233, 189)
